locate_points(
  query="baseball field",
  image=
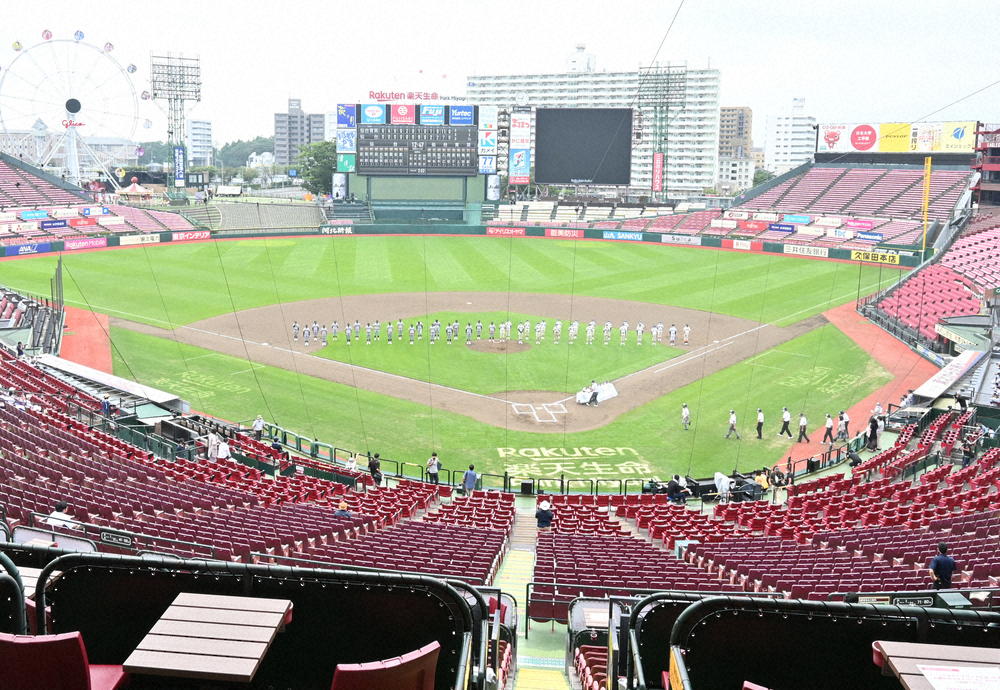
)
(213, 322)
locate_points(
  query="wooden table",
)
(902, 658)
(29, 576)
(210, 637)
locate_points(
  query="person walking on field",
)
(685, 416)
(802, 428)
(841, 428)
(732, 425)
(687, 333)
(760, 422)
(828, 434)
(433, 465)
(786, 417)
(847, 423)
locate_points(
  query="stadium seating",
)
(412, 671)
(936, 291)
(20, 188)
(54, 662)
(249, 216)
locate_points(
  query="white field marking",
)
(763, 366)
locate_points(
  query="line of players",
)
(502, 333)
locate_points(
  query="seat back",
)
(48, 662)
(412, 671)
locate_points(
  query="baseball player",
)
(520, 333)
(543, 329)
(357, 329)
(348, 334)
(448, 331)
(638, 333)
(503, 331)
(399, 328)
(368, 333)
(557, 331)
(574, 328)
(607, 332)
(322, 332)
(468, 333)
(492, 331)
(333, 329)
(305, 335)
(295, 331)
(420, 330)
(388, 332)
(685, 416)
(673, 334)
(315, 329)
(413, 331)
(623, 329)
(378, 330)
(590, 333)
(538, 332)
(457, 328)
(687, 333)
(659, 332)
(479, 330)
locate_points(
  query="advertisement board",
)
(64, 213)
(871, 236)
(488, 116)
(768, 217)
(796, 219)
(520, 131)
(50, 224)
(373, 114)
(191, 235)
(692, 240)
(7, 216)
(781, 227)
(754, 225)
(737, 215)
(30, 226)
(111, 220)
(657, 172)
(619, 235)
(828, 222)
(898, 137)
(564, 233)
(347, 141)
(179, 164)
(840, 233)
(33, 215)
(811, 231)
(431, 115)
(461, 115)
(801, 250)
(520, 166)
(404, 114)
(488, 166)
(875, 257)
(131, 240)
(505, 232)
(346, 115)
(487, 142)
(26, 249)
(96, 211)
(859, 224)
(86, 243)
(894, 137)
(82, 222)
(345, 162)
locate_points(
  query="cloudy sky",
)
(882, 60)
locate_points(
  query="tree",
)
(158, 151)
(235, 153)
(761, 176)
(317, 163)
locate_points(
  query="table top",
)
(29, 576)
(210, 637)
(904, 657)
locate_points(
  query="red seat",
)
(413, 671)
(54, 662)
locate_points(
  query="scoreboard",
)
(417, 140)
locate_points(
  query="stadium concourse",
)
(374, 572)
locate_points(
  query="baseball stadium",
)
(495, 416)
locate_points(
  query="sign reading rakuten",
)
(859, 224)
(86, 243)
(191, 235)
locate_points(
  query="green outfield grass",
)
(822, 371)
(178, 284)
(545, 366)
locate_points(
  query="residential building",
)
(295, 129)
(735, 132)
(758, 157)
(735, 175)
(791, 139)
(199, 142)
(692, 136)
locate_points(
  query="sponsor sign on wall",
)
(840, 233)
(372, 114)
(875, 257)
(796, 219)
(564, 233)
(736, 215)
(681, 239)
(487, 143)
(520, 131)
(488, 115)
(191, 235)
(7, 216)
(179, 166)
(657, 172)
(800, 250)
(871, 236)
(855, 224)
(897, 137)
(754, 225)
(520, 166)
(619, 235)
(346, 115)
(64, 213)
(723, 223)
(811, 231)
(86, 243)
(745, 245)
(505, 232)
(768, 217)
(129, 240)
(51, 224)
(404, 114)
(111, 220)
(33, 215)
(82, 222)
(461, 115)
(781, 227)
(18, 228)
(345, 162)
(347, 141)
(828, 222)
(488, 166)
(432, 115)
(96, 211)
(26, 249)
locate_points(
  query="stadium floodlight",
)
(662, 95)
(176, 80)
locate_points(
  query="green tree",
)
(761, 176)
(317, 163)
(235, 153)
(158, 151)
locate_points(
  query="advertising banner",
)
(82, 222)
(26, 249)
(894, 137)
(657, 172)
(7, 216)
(564, 233)
(431, 115)
(33, 215)
(768, 217)
(488, 166)
(619, 235)
(96, 211)
(86, 243)
(347, 115)
(30, 226)
(111, 220)
(781, 227)
(130, 240)
(190, 235)
(959, 137)
(745, 245)
(179, 180)
(488, 115)
(875, 257)
(487, 143)
(724, 223)
(692, 240)
(946, 378)
(347, 141)
(848, 137)
(754, 225)
(50, 224)
(64, 213)
(796, 219)
(505, 232)
(829, 222)
(404, 114)
(800, 250)
(373, 114)
(737, 215)
(345, 162)
(520, 166)
(898, 137)
(520, 131)
(461, 115)
(811, 231)
(840, 233)
(859, 224)
(871, 236)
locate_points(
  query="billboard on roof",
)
(897, 137)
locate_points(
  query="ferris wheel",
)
(68, 104)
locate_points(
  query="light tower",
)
(176, 80)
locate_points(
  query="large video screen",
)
(408, 139)
(590, 146)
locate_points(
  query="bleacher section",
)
(19, 188)
(254, 216)
(935, 292)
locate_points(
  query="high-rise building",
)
(791, 139)
(692, 135)
(735, 175)
(295, 129)
(758, 157)
(735, 132)
(199, 142)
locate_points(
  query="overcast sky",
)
(852, 61)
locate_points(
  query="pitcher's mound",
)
(506, 347)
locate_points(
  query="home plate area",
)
(542, 413)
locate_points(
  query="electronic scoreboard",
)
(417, 140)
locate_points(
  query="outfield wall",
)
(904, 257)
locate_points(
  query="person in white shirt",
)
(685, 416)
(687, 333)
(590, 333)
(732, 424)
(433, 465)
(623, 330)
(224, 453)
(60, 518)
(847, 423)
(828, 434)
(673, 334)
(258, 427)
(786, 417)
(760, 422)
(802, 428)
(878, 408)
(638, 333)
(352, 463)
